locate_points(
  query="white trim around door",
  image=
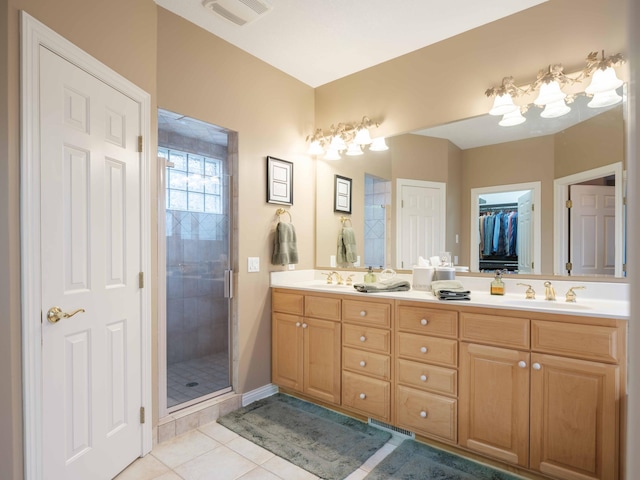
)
(34, 34)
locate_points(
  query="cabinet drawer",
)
(428, 321)
(374, 314)
(428, 377)
(367, 363)
(422, 348)
(365, 338)
(426, 413)
(495, 330)
(369, 396)
(322, 307)
(287, 303)
(590, 342)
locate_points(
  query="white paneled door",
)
(90, 260)
(593, 232)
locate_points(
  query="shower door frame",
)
(163, 409)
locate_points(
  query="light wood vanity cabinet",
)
(544, 411)
(366, 357)
(426, 370)
(538, 391)
(306, 334)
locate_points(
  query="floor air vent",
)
(390, 428)
(238, 12)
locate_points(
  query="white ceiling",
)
(318, 41)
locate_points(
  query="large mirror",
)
(559, 159)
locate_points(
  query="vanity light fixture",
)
(549, 84)
(352, 137)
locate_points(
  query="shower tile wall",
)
(197, 321)
(377, 200)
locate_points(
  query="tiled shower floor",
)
(209, 374)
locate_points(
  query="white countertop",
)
(598, 299)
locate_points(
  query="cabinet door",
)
(493, 412)
(286, 350)
(574, 418)
(322, 359)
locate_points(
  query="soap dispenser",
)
(497, 285)
(370, 277)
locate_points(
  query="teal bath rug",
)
(325, 443)
(417, 461)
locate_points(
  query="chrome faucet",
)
(549, 291)
(571, 295)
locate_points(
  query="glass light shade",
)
(603, 81)
(555, 109)
(604, 99)
(512, 118)
(549, 93)
(362, 137)
(378, 145)
(332, 155)
(502, 104)
(337, 143)
(354, 149)
(315, 148)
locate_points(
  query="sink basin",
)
(546, 304)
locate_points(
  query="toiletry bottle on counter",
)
(497, 285)
(370, 277)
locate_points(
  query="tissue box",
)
(422, 277)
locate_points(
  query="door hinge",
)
(624, 267)
(139, 143)
(141, 280)
(568, 266)
(141, 414)
(533, 207)
(624, 200)
(533, 265)
(568, 204)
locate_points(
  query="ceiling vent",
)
(238, 12)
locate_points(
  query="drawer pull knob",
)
(536, 366)
(363, 338)
(423, 378)
(423, 414)
(362, 396)
(363, 313)
(423, 321)
(304, 325)
(423, 349)
(363, 363)
(298, 324)
(522, 364)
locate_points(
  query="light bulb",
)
(378, 145)
(549, 93)
(603, 81)
(502, 104)
(555, 109)
(512, 118)
(362, 137)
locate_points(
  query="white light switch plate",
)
(253, 264)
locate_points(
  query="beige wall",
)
(446, 81)
(203, 77)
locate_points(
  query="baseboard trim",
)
(259, 393)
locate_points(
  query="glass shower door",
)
(197, 220)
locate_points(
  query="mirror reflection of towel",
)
(347, 252)
(285, 249)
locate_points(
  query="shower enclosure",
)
(197, 261)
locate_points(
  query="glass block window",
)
(194, 182)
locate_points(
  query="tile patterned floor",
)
(211, 373)
(213, 452)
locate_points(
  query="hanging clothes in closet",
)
(498, 234)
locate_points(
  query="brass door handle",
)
(55, 314)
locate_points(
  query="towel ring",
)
(345, 220)
(282, 211)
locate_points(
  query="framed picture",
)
(342, 195)
(279, 181)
